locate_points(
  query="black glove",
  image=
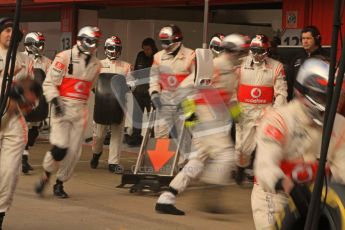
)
(156, 101)
(17, 94)
(59, 108)
(300, 195)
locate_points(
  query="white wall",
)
(87, 18)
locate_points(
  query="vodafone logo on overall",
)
(255, 93)
(80, 87)
(172, 81)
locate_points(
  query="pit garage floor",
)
(96, 204)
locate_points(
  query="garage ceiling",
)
(136, 3)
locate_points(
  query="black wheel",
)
(332, 215)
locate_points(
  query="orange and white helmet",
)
(34, 43)
(259, 47)
(87, 39)
(113, 47)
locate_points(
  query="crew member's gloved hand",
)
(156, 101)
(191, 121)
(59, 108)
(235, 111)
(299, 193)
(189, 109)
(26, 93)
(131, 85)
(17, 93)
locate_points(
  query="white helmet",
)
(87, 39)
(234, 42)
(170, 37)
(237, 45)
(311, 84)
(34, 43)
(215, 42)
(259, 47)
(113, 47)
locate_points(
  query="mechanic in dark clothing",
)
(272, 51)
(142, 66)
(311, 42)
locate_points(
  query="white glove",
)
(131, 84)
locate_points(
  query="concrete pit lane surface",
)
(96, 204)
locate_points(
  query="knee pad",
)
(32, 136)
(58, 153)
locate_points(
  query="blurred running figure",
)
(211, 132)
(288, 148)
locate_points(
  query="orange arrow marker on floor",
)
(161, 154)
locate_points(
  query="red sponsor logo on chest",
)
(59, 65)
(75, 88)
(171, 81)
(255, 94)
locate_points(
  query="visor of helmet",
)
(257, 50)
(91, 41)
(34, 43)
(166, 42)
(113, 48)
(317, 97)
(217, 48)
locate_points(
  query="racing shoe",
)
(95, 160)
(166, 201)
(58, 190)
(115, 168)
(135, 140)
(26, 167)
(40, 186)
(168, 209)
